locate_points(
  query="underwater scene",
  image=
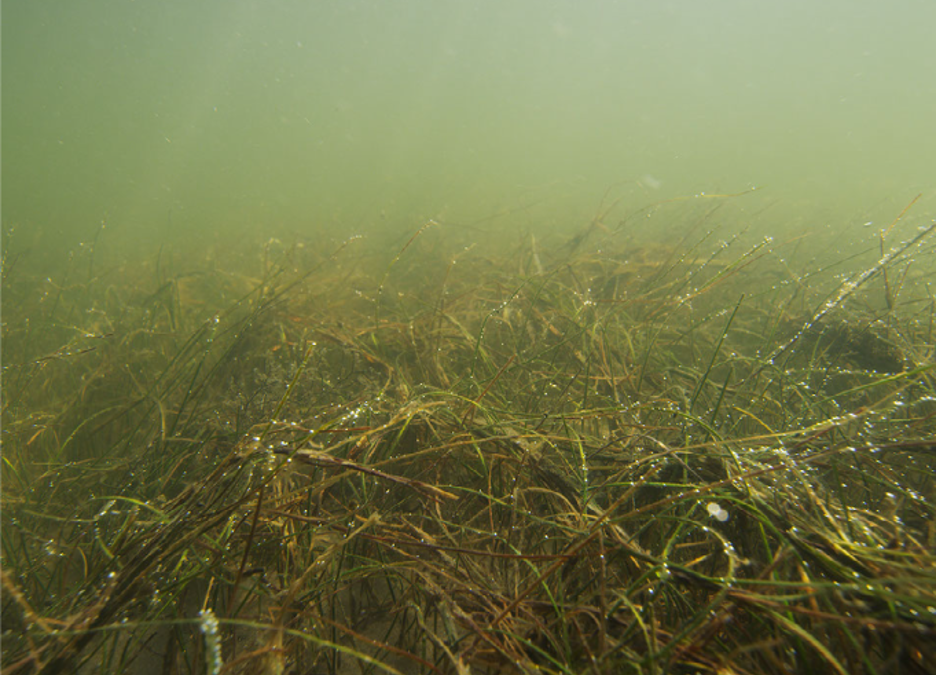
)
(468, 337)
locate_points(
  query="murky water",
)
(512, 336)
(170, 119)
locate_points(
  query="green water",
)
(173, 118)
(630, 369)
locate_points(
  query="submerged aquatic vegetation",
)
(607, 456)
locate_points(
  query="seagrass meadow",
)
(455, 451)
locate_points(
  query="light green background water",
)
(173, 117)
